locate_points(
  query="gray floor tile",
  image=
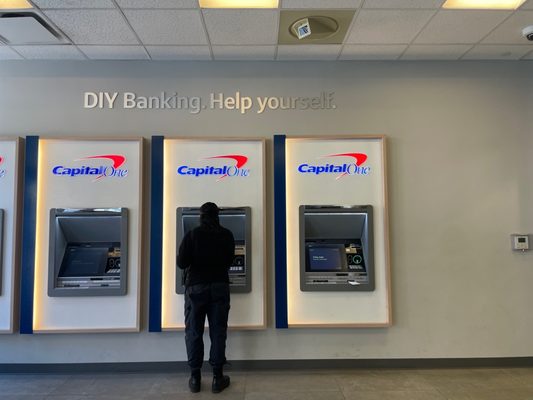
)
(179, 383)
(386, 380)
(394, 395)
(22, 397)
(294, 396)
(36, 384)
(502, 394)
(287, 382)
(356, 384)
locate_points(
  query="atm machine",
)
(1, 246)
(88, 254)
(238, 221)
(336, 248)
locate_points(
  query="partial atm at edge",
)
(238, 221)
(336, 248)
(1, 246)
(88, 253)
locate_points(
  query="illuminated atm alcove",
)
(336, 248)
(88, 253)
(238, 221)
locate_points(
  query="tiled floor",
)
(356, 384)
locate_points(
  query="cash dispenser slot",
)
(1, 246)
(238, 221)
(88, 252)
(336, 248)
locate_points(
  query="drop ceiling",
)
(180, 30)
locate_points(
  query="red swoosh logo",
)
(117, 159)
(1, 160)
(241, 160)
(360, 158)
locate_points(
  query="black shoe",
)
(219, 383)
(195, 383)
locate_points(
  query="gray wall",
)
(459, 174)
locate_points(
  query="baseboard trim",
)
(257, 365)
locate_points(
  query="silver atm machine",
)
(88, 253)
(238, 221)
(1, 245)
(336, 248)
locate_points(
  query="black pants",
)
(211, 300)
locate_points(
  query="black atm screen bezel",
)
(343, 266)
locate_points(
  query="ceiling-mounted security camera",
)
(528, 32)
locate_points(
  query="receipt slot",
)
(238, 221)
(88, 252)
(336, 248)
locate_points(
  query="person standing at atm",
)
(205, 255)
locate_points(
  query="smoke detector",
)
(314, 26)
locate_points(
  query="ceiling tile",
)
(497, 52)
(7, 54)
(168, 27)
(114, 52)
(387, 26)
(372, 52)
(74, 3)
(528, 56)
(309, 52)
(460, 26)
(435, 52)
(179, 52)
(48, 52)
(93, 26)
(235, 27)
(528, 5)
(322, 4)
(158, 3)
(244, 52)
(510, 31)
(433, 4)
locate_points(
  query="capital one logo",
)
(353, 165)
(98, 167)
(2, 171)
(233, 167)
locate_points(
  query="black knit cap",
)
(210, 209)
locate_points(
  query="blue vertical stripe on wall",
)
(280, 231)
(28, 234)
(156, 234)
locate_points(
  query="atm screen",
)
(328, 258)
(84, 261)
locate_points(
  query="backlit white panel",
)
(336, 308)
(247, 309)
(120, 313)
(8, 203)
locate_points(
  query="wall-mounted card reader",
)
(238, 221)
(88, 253)
(1, 246)
(336, 248)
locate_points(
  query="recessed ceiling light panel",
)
(239, 3)
(26, 28)
(14, 4)
(483, 4)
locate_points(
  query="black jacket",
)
(208, 252)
